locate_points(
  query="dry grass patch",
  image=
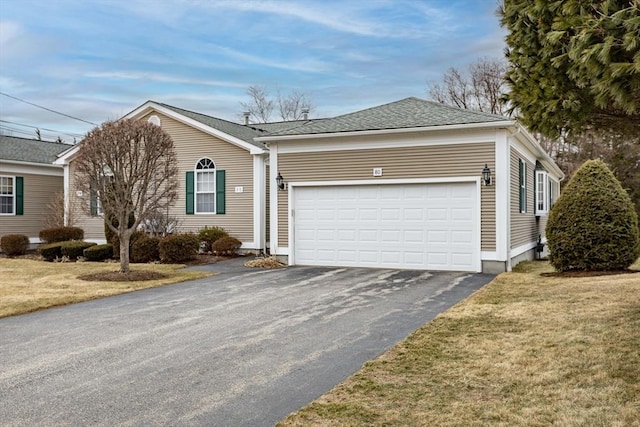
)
(526, 350)
(28, 285)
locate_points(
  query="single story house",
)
(28, 181)
(411, 184)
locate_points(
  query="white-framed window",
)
(542, 192)
(205, 177)
(7, 195)
(522, 175)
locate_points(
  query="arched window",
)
(205, 186)
(154, 120)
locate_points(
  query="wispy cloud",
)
(161, 78)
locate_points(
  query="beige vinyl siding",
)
(38, 191)
(191, 145)
(524, 227)
(93, 226)
(404, 162)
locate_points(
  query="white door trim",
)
(463, 179)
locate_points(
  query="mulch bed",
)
(582, 273)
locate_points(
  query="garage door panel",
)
(418, 226)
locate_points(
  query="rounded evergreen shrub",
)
(593, 224)
(208, 236)
(145, 249)
(74, 248)
(14, 244)
(61, 234)
(51, 251)
(226, 246)
(179, 247)
(98, 252)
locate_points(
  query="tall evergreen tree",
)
(574, 63)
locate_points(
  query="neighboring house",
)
(399, 185)
(222, 175)
(28, 181)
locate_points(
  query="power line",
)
(77, 135)
(48, 109)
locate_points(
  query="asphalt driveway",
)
(243, 348)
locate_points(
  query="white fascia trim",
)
(148, 106)
(259, 187)
(522, 249)
(273, 200)
(291, 202)
(502, 188)
(33, 164)
(30, 168)
(385, 181)
(389, 141)
(504, 123)
(67, 156)
(523, 136)
(523, 152)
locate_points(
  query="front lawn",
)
(526, 350)
(28, 285)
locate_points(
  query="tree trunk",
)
(124, 251)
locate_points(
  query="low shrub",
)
(51, 251)
(74, 248)
(179, 247)
(61, 234)
(98, 252)
(14, 244)
(226, 246)
(208, 236)
(145, 249)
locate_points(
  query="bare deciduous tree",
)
(131, 166)
(291, 106)
(53, 214)
(481, 87)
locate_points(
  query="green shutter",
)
(220, 185)
(19, 195)
(520, 183)
(190, 193)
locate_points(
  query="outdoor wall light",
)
(486, 175)
(280, 181)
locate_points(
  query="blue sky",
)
(99, 59)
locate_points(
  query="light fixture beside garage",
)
(280, 181)
(486, 175)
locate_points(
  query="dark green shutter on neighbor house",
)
(220, 198)
(19, 195)
(190, 193)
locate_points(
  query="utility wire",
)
(77, 135)
(48, 109)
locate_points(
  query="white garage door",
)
(410, 226)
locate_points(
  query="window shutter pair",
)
(220, 192)
(19, 195)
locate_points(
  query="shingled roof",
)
(406, 113)
(13, 148)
